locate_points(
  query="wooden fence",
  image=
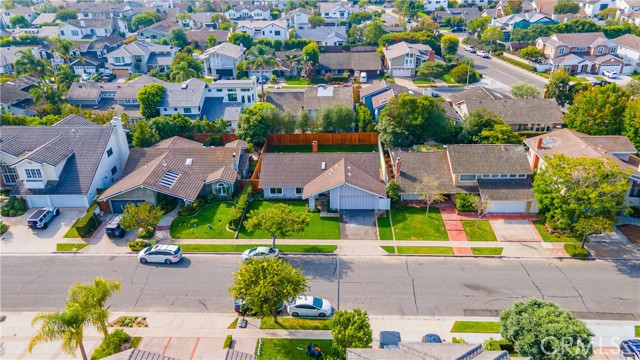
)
(324, 138)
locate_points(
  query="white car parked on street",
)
(310, 306)
(260, 252)
(167, 254)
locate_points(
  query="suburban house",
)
(45, 32)
(246, 12)
(629, 50)
(521, 21)
(91, 55)
(351, 62)
(324, 35)
(157, 31)
(520, 114)
(176, 167)
(627, 6)
(401, 59)
(298, 18)
(478, 93)
(44, 19)
(15, 96)
(593, 7)
(467, 13)
(9, 55)
(268, 29)
(574, 144)
(341, 181)
(421, 350)
(500, 174)
(221, 60)
(333, 12)
(27, 12)
(433, 5)
(63, 165)
(310, 99)
(199, 37)
(581, 53)
(140, 57)
(87, 29)
(377, 96)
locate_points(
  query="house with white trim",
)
(298, 18)
(271, 29)
(88, 29)
(27, 12)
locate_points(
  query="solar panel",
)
(169, 178)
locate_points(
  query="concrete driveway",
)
(515, 230)
(358, 225)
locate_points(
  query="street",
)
(381, 285)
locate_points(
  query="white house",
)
(244, 12)
(87, 29)
(140, 57)
(629, 50)
(324, 35)
(298, 18)
(272, 30)
(27, 12)
(65, 164)
(401, 59)
(333, 12)
(433, 5)
(221, 60)
(593, 7)
(627, 6)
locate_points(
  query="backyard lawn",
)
(412, 223)
(478, 230)
(290, 349)
(323, 148)
(557, 237)
(210, 223)
(384, 228)
(319, 228)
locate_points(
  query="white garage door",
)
(69, 201)
(507, 206)
(38, 201)
(365, 202)
(400, 72)
(614, 67)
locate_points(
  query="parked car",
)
(167, 254)
(483, 54)
(432, 339)
(310, 306)
(263, 252)
(611, 74)
(630, 349)
(86, 77)
(600, 83)
(363, 77)
(470, 49)
(389, 339)
(457, 29)
(387, 5)
(113, 228)
(41, 218)
(108, 77)
(240, 308)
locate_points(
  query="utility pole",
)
(338, 278)
(468, 71)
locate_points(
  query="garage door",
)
(364, 202)
(507, 206)
(69, 201)
(38, 201)
(118, 205)
(121, 73)
(400, 72)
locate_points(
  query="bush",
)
(492, 344)
(517, 63)
(14, 207)
(457, 340)
(227, 342)
(166, 202)
(3, 227)
(146, 233)
(111, 344)
(393, 190)
(466, 203)
(576, 250)
(138, 245)
(459, 74)
(86, 225)
(243, 201)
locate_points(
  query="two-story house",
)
(272, 29)
(157, 31)
(15, 96)
(324, 35)
(87, 29)
(334, 12)
(629, 51)
(401, 59)
(140, 57)
(221, 60)
(593, 7)
(627, 6)
(298, 18)
(63, 165)
(246, 12)
(27, 12)
(581, 53)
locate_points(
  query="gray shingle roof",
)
(478, 93)
(226, 49)
(361, 61)
(521, 111)
(488, 159)
(175, 95)
(415, 166)
(311, 98)
(506, 190)
(403, 48)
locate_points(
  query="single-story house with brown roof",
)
(341, 181)
(310, 99)
(520, 114)
(351, 62)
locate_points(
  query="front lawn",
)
(555, 237)
(70, 247)
(297, 82)
(384, 228)
(242, 247)
(424, 250)
(487, 250)
(291, 349)
(210, 223)
(319, 228)
(478, 230)
(296, 324)
(484, 327)
(412, 223)
(422, 81)
(323, 148)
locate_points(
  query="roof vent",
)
(169, 178)
(189, 162)
(184, 86)
(547, 142)
(324, 165)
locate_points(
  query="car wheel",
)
(322, 315)
(167, 261)
(46, 225)
(295, 314)
(57, 212)
(143, 261)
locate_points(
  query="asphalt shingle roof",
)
(310, 98)
(361, 61)
(415, 166)
(521, 111)
(488, 159)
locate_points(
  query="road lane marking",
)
(193, 352)
(166, 347)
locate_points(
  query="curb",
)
(517, 67)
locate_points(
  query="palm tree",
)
(92, 298)
(65, 76)
(294, 61)
(47, 93)
(29, 64)
(182, 72)
(64, 48)
(260, 57)
(66, 326)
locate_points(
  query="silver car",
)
(310, 306)
(167, 254)
(260, 252)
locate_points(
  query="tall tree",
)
(150, 96)
(183, 57)
(351, 330)
(181, 73)
(373, 31)
(513, 7)
(478, 25)
(29, 64)
(279, 220)
(92, 298)
(566, 7)
(633, 88)
(598, 111)
(530, 53)
(303, 121)
(632, 122)
(177, 37)
(260, 57)
(144, 135)
(211, 41)
(449, 44)
(65, 76)
(336, 118)
(64, 48)
(66, 326)
(558, 87)
(64, 14)
(241, 38)
(524, 90)
(144, 20)
(316, 21)
(500, 133)
(492, 35)
(476, 121)
(311, 53)
(294, 61)
(18, 21)
(364, 119)
(429, 190)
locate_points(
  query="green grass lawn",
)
(424, 250)
(298, 82)
(422, 81)
(384, 228)
(323, 148)
(389, 249)
(412, 223)
(69, 247)
(448, 79)
(242, 247)
(296, 324)
(217, 215)
(485, 327)
(319, 228)
(291, 349)
(72, 233)
(478, 230)
(487, 250)
(135, 342)
(557, 237)
(637, 331)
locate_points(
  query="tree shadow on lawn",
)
(321, 267)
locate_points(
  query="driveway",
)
(358, 225)
(515, 230)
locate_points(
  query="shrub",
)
(214, 140)
(227, 342)
(243, 201)
(492, 344)
(576, 250)
(457, 340)
(459, 74)
(86, 225)
(138, 245)
(166, 202)
(111, 344)
(393, 190)
(14, 207)
(3, 227)
(146, 233)
(466, 202)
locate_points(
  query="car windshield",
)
(317, 302)
(176, 251)
(147, 250)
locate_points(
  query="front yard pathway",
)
(455, 230)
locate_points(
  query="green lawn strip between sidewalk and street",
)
(210, 223)
(412, 223)
(291, 349)
(242, 247)
(70, 247)
(487, 250)
(291, 323)
(637, 330)
(556, 237)
(384, 227)
(327, 228)
(478, 230)
(389, 249)
(484, 327)
(135, 342)
(419, 250)
(233, 324)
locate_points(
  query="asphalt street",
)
(381, 285)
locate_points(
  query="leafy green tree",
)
(518, 35)
(478, 25)
(194, 64)
(48, 8)
(260, 57)
(351, 330)
(356, 35)
(513, 7)
(566, 7)
(608, 13)
(633, 88)
(150, 97)
(141, 216)
(64, 48)
(464, 73)
(181, 72)
(530, 53)
(598, 111)
(587, 226)
(409, 8)
(169, 126)
(432, 69)
(492, 35)
(569, 189)
(544, 331)
(315, 21)
(255, 122)
(360, 17)
(430, 193)
(144, 20)
(449, 44)
(29, 64)
(524, 90)
(303, 122)
(240, 38)
(311, 53)
(18, 21)
(43, 92)
(177, 37)
(453, 21)
(558, 87)
(336, 118)
(66, 326)
(476, 121)
(373, 31)
(632, 122)
(211, 41)
(92, 297)
(499, 134)
(294, 61)
(144, 135)
(65, 14)
(288, 122)
(364, 119)
(65, 76)
(279, 220)
(264, 284)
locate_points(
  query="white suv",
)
(308, 306)
(611, 74)
(167, 254)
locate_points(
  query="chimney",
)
(396, 171)
(539, 143)
(535, 159)
(234, 159)
(315, 146)
(432, 55)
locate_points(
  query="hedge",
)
(576, 250)
(466, 202)
(517, 63)
(138, 245)
(227, 342)
(237, 212)
(86, 225)
(14, 207)
(111, 344)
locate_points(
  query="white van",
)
(363, 77)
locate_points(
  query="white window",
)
(468, 177)
(299, 191)
(275, 191)
(600, 51)
(561, 51)
(33, 174)
(8, 174)
(221, 189)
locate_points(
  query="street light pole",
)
(338, 278)
(468, 71)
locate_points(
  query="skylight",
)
(169, 178)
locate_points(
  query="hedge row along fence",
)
(86, 225)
